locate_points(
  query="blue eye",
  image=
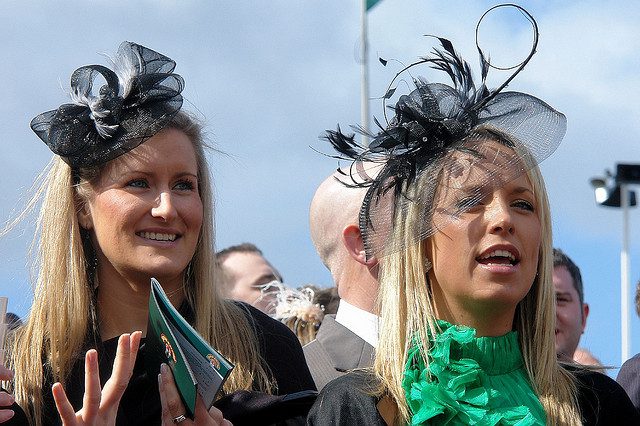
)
(524, 205)
(184, 185)
(138, 183)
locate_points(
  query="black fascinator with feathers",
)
(140, 95)
(435, 143)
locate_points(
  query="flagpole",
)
(364, 72)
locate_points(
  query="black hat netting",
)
(140, 95)
(446, 147)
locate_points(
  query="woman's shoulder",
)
(602, 400)
(349, 399)
(263, 324)
(363, 380)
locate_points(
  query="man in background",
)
(245, 272)
(629, 374)
(571, 311)
(346, 340)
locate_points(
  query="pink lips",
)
(496, 268)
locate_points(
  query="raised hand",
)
(6, 399)
(173, 411)
(100, 405)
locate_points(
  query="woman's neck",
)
(487, 321)
(123, 302)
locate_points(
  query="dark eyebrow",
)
(183, 174)
(522, 190)
(145, 172)
(263, 279)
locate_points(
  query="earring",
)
(187, 273)
(83, 221)
(91, 258)
(427, 265)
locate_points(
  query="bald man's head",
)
(334, 206)
(333, 216)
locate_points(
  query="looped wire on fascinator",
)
(437, 161)
(140, 95)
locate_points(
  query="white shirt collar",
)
(362, 323)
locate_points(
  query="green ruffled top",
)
(471, 381)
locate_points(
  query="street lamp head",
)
(601, 190)
(609, 196)
(598, 182)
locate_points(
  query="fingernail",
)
(160, 380)
(10, 400)
(163, 368)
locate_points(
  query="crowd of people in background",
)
(330, 221)
(449, 304)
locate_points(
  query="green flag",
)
(371, 3)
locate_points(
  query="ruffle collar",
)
(453, 390)
(495, 355)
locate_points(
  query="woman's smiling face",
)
(144, 211)
(485, 252)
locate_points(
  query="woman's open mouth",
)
(498, 257)
(157, 236)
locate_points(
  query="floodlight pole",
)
(624, 273)
(364, 72)
(626, 175)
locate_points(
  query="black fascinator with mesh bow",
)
(435, 146)
(140, 95)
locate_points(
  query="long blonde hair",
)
(406, 309)
(63, 316)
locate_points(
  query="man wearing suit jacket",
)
(629, 374)
(346, 340)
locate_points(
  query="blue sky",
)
(268, 77)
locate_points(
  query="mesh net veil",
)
(446, 148)
(140, 95)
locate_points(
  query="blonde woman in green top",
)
(459, 223)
